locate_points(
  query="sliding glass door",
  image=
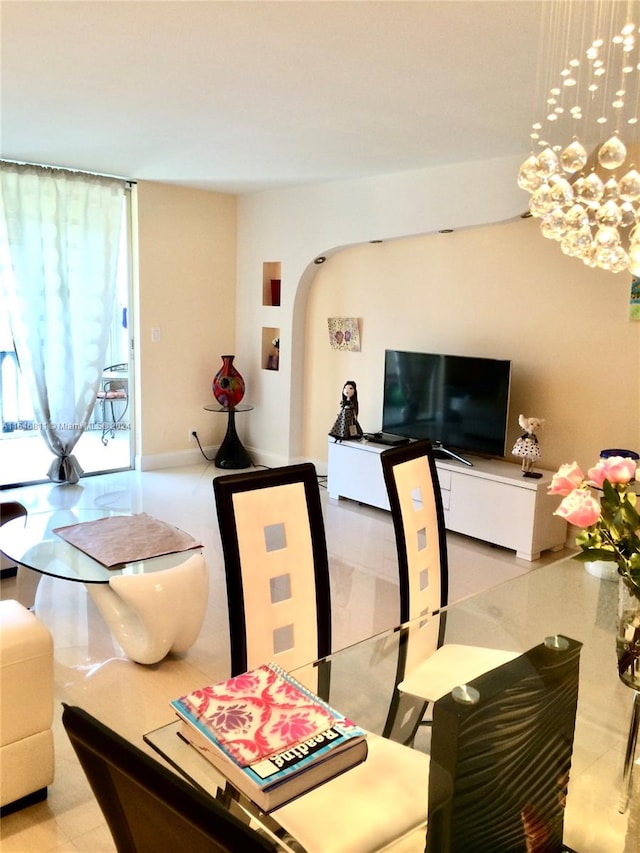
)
(107, 443)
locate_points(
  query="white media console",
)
(491, 501)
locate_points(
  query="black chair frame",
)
(405, 715)
(225, 487)
(8, 511)
(507, 750)
(395, 456)
(148, 807)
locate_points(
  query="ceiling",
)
(243, 96)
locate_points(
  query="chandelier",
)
(583, 173)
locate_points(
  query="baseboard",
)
(158, 461)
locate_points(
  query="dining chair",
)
(26, 580)
(147, 806)
(276, 567)
(278, 590)
(8, 511)
(506, 742)
(427, 666)
(113, 391)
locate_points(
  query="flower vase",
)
(628, 636)
(606, 571)
(228, 384)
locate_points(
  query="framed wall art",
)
(344, 333)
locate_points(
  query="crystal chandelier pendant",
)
(628, 214)
(621, 260)
(577, 217)
(611, 191)
(562, 192)
(634, 259)
(541, 201)
(583, 185)
(612, 153)
(529, 178)
(609, 214)
(547, 163)
(573, 158)
(553, 225)
(607, 237)
(591, 190)
(629, 186)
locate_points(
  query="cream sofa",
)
(26, 707)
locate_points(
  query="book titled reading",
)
(270, 736)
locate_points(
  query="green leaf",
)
(594, 554)
(611, 495)
(630, 514)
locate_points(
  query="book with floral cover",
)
(269, 735)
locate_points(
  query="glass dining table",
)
(557, 600)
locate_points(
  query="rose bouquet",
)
(611, 524)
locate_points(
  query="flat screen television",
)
(460, 403)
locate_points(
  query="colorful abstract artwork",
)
(344, 333)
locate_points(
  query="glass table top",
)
(519, 614)
(31, 542)
(216, 407)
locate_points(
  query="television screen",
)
(459, 402)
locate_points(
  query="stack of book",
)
(270, 736)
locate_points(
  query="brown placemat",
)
(119, 539)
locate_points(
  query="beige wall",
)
(496, 290)
(186, 245)
(296, 225)
(501, 291)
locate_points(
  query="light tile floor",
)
(92, 671)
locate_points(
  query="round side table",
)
(231, 453)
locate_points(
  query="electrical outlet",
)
(193, 434)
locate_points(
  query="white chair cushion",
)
(370, 807)
(449, 666)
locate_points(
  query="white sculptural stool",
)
(154, 613)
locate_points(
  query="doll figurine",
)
(527, 447)
(346, 425)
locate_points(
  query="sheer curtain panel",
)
(59, 244)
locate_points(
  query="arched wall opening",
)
(498, 291)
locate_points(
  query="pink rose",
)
(567, 478)
(579, 508)
(617, 470)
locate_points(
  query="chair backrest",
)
(507, 750)
(276, 565)
(8, 511)
(418, 520)
(146, 806)
(113, 386)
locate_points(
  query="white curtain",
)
(59, 242)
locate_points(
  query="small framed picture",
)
(344, 333)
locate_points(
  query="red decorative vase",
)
(228, 384)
